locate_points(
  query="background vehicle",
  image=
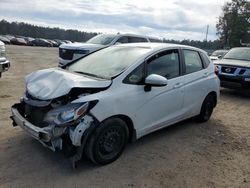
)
(59, 42)
(4, 64)
(4, 39)
(218, 54)
(28, 39)
(54, 43)
(117, 94)
(234, 68)
(18, 41)
(40, 42)
(72, 52)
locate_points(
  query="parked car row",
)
(29, 41)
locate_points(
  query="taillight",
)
(216, 70)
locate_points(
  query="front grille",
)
(229, 79)
(66, 54)
(242, 71)
(228, 70)
(35, 115)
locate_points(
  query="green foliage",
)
(28, 30)
(206, 45)
(234, 24)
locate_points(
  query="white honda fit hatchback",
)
(118, 94)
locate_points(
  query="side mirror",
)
(118, 43)
(156, 80)
(219, 56)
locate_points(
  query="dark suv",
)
(234, 68)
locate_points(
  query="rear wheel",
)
(108, 141)
(206, 109)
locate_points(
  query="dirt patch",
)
(188, 154)
(5, 96)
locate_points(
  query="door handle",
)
(178, 85)
(205, 74)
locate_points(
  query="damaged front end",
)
(59, 124)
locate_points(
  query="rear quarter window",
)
(136, 39)
(205, 59)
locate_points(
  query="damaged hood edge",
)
(53, 83)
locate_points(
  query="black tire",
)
(206, 109)
(108, 141)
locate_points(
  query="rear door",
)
(196, 81)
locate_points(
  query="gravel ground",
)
(188, 154)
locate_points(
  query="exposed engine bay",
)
(57, 123)
(37, 111)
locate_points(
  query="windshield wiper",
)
(90, 74)
(228, 58)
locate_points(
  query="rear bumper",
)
(4, 66)
(235, 82)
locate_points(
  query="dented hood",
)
(52, 83)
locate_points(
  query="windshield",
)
(109, 62)
(219, 53)
(101, 39)
(239, 54)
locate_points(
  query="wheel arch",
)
(129, 123)
(214, 95)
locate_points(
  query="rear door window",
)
(192, 60)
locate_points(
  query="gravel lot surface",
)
(188, 154)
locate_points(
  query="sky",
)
(170, 19)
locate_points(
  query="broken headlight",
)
(67, 113)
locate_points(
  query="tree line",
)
(29, 30)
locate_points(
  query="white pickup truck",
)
(74, 51)
(4, 63)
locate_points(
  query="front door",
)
(161, 105)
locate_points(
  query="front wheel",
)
(108, 141)
(206, 109)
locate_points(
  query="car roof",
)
(240, 48)
(221, 51)
(128, 34)
(158, 46)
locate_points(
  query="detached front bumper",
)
(44, 135)
(36, 132)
